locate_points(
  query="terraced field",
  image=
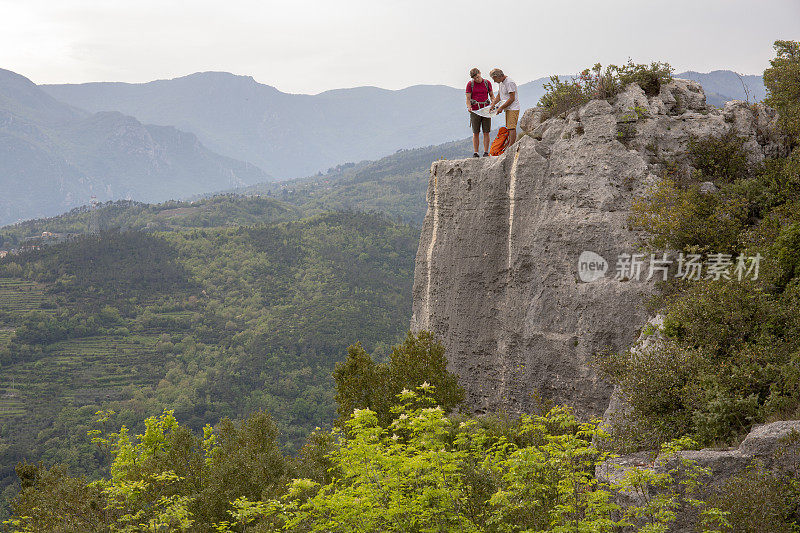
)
(71, 378)
(5, 335)
(16, 297)
(20, 296)
(74, 372)
(78, 372)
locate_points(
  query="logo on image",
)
(591, 266)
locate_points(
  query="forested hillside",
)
(394, 185)
(210, 321)
(223, 210)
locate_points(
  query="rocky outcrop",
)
(497, 272)
(773, 448)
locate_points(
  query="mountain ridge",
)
(257, 123)
(56, 156)
(242, 118)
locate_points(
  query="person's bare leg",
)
(485, 142)
(475, 138)
(512, 136)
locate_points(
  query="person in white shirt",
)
(508, 95)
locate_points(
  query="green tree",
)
(416, 474)
(54, 501)
(412, 476)
(243, 461)
(420, 358)
(361, 384)
(782, 80)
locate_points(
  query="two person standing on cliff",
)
(479, 95)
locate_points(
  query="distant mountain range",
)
(288, 135)
(721, 86)
(394, 185)
(210, 131)
(54, 157)
(295, 135)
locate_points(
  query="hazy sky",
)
(310, 46)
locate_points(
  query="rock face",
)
(497, 272)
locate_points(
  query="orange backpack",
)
(500, 142)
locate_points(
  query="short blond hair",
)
(474, 72)
(496, 72)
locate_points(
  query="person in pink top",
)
(479, 95)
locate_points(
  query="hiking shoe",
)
(475, 154)
(485, 154)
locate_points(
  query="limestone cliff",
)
(497, 266)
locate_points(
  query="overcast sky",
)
(310, 46)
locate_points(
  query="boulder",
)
(531, 119)
(708, 187)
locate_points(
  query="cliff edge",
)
(497, 275)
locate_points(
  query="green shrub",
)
(626, 131)
(774, 183)
(561, 96)
(641, 112)
(759, 501)
(649, 78)
(786, 251)
(731, 358)
(686, 219)
(597, 83)
(720, 317)
(654, 385)
(719, 158)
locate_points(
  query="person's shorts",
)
(512, 116)
(477, 122)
